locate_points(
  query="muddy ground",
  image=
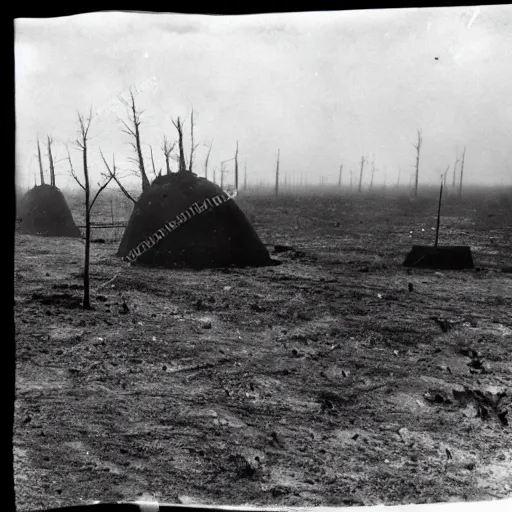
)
(325, 380)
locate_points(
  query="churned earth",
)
(336, 378)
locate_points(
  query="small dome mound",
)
(188, 221)
(43, 211)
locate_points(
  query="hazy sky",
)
(325, 88)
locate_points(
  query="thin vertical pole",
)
(439, 213)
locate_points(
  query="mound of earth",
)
(188, 221)
(44, 211)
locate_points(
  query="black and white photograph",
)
(263, 261)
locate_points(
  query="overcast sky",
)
(325, 88)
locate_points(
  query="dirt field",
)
(322, 381)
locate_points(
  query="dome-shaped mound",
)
(43, 210)
(188, 221)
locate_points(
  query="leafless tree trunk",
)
(41, 173)
(167, 149)
(339, 176)
(84, 125)
(351, 178)
(222, 172)
(236, 167)
(50, 160)
(193, 146)
(152, 160)
(276, 190)
(373, 173)
(398, 180)
(179, 126)
(245, 176)
(454, 173)
(134, 131)
(446, 175)
(361, 174)
(214, 175)
(207, 160)
(462, 172)
(418, 148)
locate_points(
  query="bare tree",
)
(398, 180)
(50, 160)
(81, 142)
(193, 146)
(236, 167)
(222, 172)
(41, 173)
(276, 190)
(152, 160)
(418, 148)
(454, 172)
(462, 172)
(351, 178)
(113, 175)
(245, 176)
(134, 131)
(361, 174)
(167, 149)
(207, 160)
(373, 173)
(179, 127)
(339, 175)
(445, 176)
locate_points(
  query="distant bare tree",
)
(445, 175)
(340, 175)
(276, 189)
(351, 178)
(193, 146)
(373, 173)
(222, 172)
(50, 160)
(462, 172)
(134, 131)
(152, 160)
(418, 148)
(179, 127)
(245, 176)
(398, 180)
(81, 142)
(236, 167)
(361, 174)
(167, 149)
(207, 160)
(41, 173)
(454, 172)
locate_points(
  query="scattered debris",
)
(445, 325)
(206, 323)
(283, 248)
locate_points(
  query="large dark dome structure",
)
(189, 221)
(43, 211)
